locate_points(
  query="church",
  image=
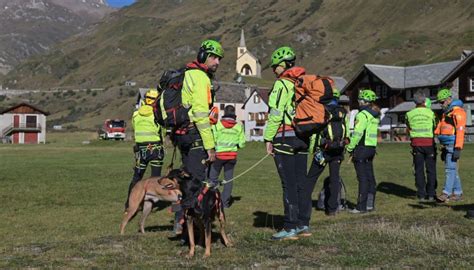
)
(247, 64)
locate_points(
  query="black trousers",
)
(193, 156)
(193, 153)
(146, 153)
(297, 187)
(214, 172)
(363, 157)
(424, 157)
(334, 180)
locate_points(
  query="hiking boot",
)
(443, 198)
(331, 214)
(303, 231)
(456, 198)
(285, 235)
(430, 199)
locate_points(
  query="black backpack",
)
(332, 136)
(169, 110)
(324, 196)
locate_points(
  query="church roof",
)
(242, 39)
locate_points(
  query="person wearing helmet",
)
(148, 141)
(450, 132)
(362, 149)
(289, 151)
(196, 141)
(421, 122)
(329, 150)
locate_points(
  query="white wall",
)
(7, 120)
(252, 107)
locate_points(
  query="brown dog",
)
(147, 192)
(202, 205)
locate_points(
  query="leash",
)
(223, 182)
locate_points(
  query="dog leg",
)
(226, 240)
(192, 246)
(208, 234)
(147, 206)
(134, 201)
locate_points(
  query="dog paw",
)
(229, 244)
(189, 255)
(206, 255)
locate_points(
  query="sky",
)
(120, 3)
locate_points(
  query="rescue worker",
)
(289, 151)
(450, 131)
(421, 123)
(329, 149)
(195, 141)
(362, 149)
(148, 141)
(229, 136)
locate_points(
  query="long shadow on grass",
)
(396, 189)
(266, 220)
(427, 205)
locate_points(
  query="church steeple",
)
(242, 39)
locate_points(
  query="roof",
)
(407, 77)
(408, 105)
(24, 104)
(339, 81)
(426, 75)
(250, 54)
(231, 92)
(393, 76)
(467, 62)
(264, 93)
(242, 39)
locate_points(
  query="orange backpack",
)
(312, 93)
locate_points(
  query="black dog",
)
(202, 204)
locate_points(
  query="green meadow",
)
(62, 202)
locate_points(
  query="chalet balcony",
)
(21, 127)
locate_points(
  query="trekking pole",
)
(246, 171)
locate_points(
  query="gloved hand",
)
(456, 154)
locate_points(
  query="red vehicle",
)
(113, 130)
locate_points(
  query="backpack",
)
(169, 110)
(332, 137)
(323, 197)
(312, 93)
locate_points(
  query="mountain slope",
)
(330, 37)
(31, 27)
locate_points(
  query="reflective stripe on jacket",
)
(144, 126)
(281, 108)
(421, 122)
(366, 127)
(197, 96)
(228, 139)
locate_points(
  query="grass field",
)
(62, 203)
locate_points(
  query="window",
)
(433, 93)
(256, 99)
(256, 132)
(222, 107)
(242, 50)
(251, 116)
(471, 84)
(31, 121)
